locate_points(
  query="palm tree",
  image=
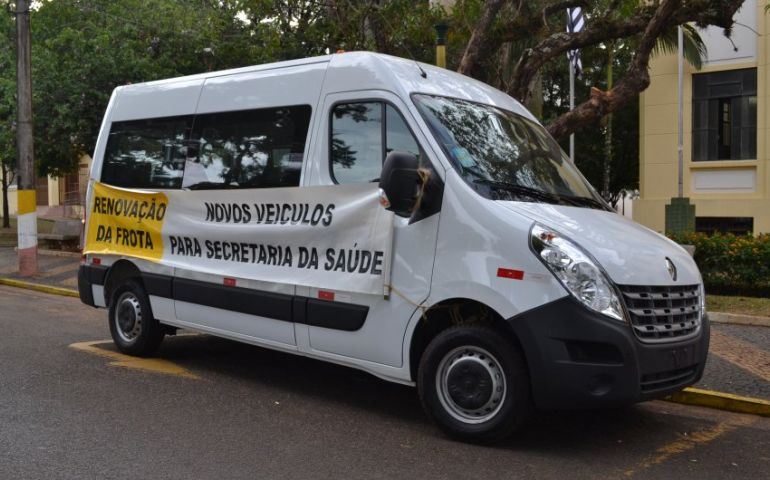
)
(694, 48)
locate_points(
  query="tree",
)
(302, 28)
(520, 47)
(541, 23)
(590, 144)
(7, 110)
(615, 166)
(83, 49)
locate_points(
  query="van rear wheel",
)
(474, 384)
(132, 326)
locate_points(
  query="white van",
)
(389, 216)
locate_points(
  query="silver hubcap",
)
(471, 384)
(128, 317)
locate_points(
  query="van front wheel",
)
(474, 384)
(132, 326)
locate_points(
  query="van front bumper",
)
(578, 358)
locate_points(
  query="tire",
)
(132, 326)
(473, 383)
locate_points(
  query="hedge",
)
(730, 264)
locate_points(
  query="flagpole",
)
(680, 108)
(572, 62)
(571, 107)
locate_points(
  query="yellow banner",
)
(125, 222)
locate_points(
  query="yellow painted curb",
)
(721, 401)
(67, 292)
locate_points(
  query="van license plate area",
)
(674, 358)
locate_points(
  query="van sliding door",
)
(250, 135)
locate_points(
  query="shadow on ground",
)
(570, 433)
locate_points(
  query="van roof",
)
(351, 71)
(232, 71)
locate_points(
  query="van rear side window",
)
(243, 149)
(147, 153)
(249, 149)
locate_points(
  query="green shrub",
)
(732, 265)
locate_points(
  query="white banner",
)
(335, 237)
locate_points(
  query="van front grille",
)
(663, 313)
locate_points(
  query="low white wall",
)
(53, 191)
(12, 201)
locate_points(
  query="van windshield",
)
(505, 156)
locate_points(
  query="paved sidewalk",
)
(58, 270)
(739, 361)
(739, 356)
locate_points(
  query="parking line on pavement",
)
(154, 365)
(686, 442)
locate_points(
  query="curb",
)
(721, 401)
(66, 292)
(59, 253)
(739, 319)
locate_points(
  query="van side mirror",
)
(400, 182)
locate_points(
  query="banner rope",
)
(423, 308)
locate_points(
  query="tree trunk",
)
(649, 19)
(478, 45)
(5, 182)
(636, 80)
(608, 132)
(373, 27)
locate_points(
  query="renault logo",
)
(671, 268)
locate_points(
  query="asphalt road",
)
(254, 413)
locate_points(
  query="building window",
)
(724, 122)
(734, 225)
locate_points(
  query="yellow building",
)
(726, 117)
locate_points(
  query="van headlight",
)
(577, 271)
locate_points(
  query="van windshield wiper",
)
(542, 195)
(520, 190)
(584, 201)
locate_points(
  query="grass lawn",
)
(740, 305)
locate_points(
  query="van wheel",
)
(134, 330)
(474, 384)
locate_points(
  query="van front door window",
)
(362, 135)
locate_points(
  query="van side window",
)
(147, 153)
(248, 149)
(356, 142)
(362, 134)
(397, 134)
